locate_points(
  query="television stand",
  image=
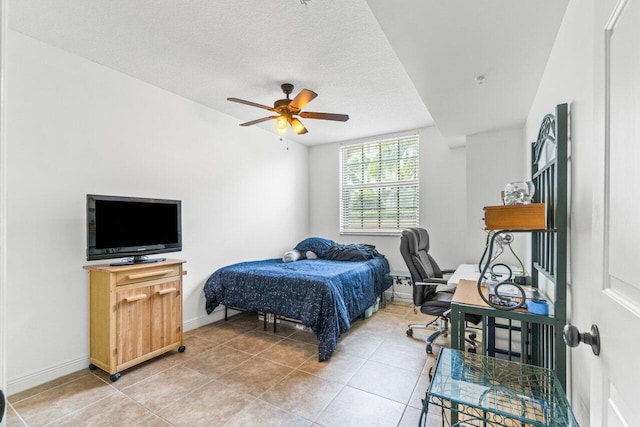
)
(135, 314)
(137, 260)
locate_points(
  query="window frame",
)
(415, 182)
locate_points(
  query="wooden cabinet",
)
(135, 313)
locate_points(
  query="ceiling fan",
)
(287, 109)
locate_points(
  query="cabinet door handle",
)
(167, 291)
(150, 274)
(136, 298)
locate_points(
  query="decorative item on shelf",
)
(502, 240)
(515, 217)
(499, 272)
(505, 291)
(519, 193)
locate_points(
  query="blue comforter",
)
(324, 295)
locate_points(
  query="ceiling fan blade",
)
(253, 122)
(297, 126)
(303, 98)
(324, 116)
(253, 104)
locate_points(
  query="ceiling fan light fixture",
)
(281, 124)
(298, 127)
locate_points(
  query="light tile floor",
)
(235, 374)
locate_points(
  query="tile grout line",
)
(77, 410)
(17, 413)
(58, 386)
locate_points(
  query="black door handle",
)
(2, 405)
(572, 337)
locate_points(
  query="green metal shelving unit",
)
(549, 247)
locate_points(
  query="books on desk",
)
(509, 294)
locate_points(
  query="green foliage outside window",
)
(380, 185)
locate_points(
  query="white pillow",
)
(292, 256)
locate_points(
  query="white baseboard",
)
(34, 379)
(217, 315)
(51, 373)
(202, 320)
(398, 295)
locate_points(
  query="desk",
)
(471, 272)
(464, 271)
(537, 331)
(498, 392)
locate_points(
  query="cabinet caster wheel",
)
(429, 349)
(409, 332)
(115, 377)
(182, 348)
(92, 367)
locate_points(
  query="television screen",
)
(132, 227)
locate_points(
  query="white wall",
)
(570, 77)
(442, 201)
(493, 160)
(75, 127)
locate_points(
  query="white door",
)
(3, 68)
(615, 391)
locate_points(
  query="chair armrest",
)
(428, 287)
(432, 282)
(437, 285)
(448, 271)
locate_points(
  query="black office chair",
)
(430, 290)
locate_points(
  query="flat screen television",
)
(132, 227)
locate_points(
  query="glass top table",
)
(498, 392)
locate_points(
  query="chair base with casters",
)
(442, 330)
(413, 326)
(439, 309)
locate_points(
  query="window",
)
(379, 186)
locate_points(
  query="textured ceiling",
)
(379, 61)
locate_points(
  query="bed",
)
(323, 294)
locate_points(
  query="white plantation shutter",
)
(380, 185)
